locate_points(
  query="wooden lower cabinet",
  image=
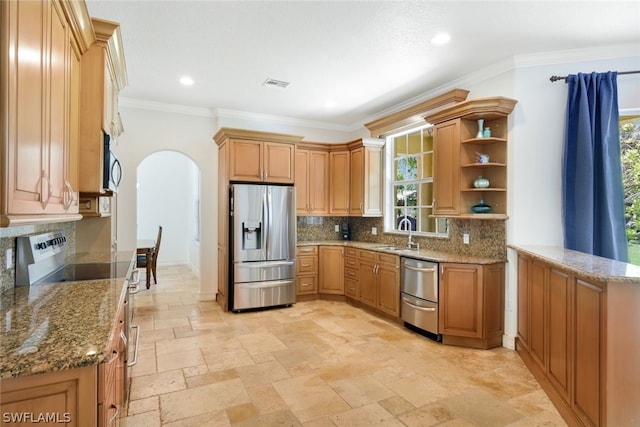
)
(307, 270)
(68, 396)
(471, 303)
(379, 281)
(331, 264)
(581, 353)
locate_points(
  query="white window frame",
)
(390, 205)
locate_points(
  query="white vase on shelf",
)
(480, 128)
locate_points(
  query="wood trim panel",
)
(415, 113)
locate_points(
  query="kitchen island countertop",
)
(423, 254)
(46, 328)
(589, 266)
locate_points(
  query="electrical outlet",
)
(374, 231)
(337, 228)
(465, 238)
(9, 257)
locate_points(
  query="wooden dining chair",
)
(150, 262)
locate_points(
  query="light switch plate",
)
(337, 228)
(374, 231)
(465, 238)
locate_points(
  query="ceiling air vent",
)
(275, 83)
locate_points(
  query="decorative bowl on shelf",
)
(481, 207)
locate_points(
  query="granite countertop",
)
(423, 254)
(589, 266)
(65, 325)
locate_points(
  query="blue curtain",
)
(593, 193)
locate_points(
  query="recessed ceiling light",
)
(186, 80)
(441, 38)
(330, 103)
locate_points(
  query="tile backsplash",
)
(8, 237)
(487, 238)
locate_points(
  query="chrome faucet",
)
(410, 243)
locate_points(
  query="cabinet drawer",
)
(352, 252)
(351, 273)
(389, 259)
(351, 262)
(307, 265)
(352, 288)
(307, 250)
(368, 255)
(306, 285)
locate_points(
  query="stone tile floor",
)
(315, 364)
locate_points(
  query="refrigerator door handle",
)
(266, 215)
(262, 264)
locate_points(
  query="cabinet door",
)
(339, 182)
(331, 260)
(538, 311)
(446, 141)
(279, 161)
(319, 183)
(587, 343)
(389, 289)
(461, 291)
(302, 182)
(23, 26)
(559, 318)
(246, 160)
(368, 292)
(372, 181)
(523, 301)
(356, 186)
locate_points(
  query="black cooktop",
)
(87, 271)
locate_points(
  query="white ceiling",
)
(365, 56)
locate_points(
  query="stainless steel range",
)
(419, 296)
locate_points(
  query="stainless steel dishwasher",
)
(419, 296)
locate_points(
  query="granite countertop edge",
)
(422, 254)
(48, 328)
(589, 266)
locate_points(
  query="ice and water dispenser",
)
(251, 235)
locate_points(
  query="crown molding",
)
(577, 55)
(142, 104)
(245, 115)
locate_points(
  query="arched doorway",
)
(168, 194)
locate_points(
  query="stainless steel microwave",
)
(111, 169)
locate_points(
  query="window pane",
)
(400, 145)
(426, 223)
(426, 194)
(411, 194)
(427, 165)
(398, 191)
(415, 143)
(427, 141)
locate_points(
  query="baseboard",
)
(207, 296)
(509, 342)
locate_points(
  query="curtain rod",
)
(556, 78)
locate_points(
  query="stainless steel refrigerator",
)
(263, 246)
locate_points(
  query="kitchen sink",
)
(396, 249)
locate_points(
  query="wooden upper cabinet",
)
(447, 175)
(366, 177)
(103, 76)
(279, 161)
(38, 109)
(260, 161)
(339, 182)
(312, 182)
(457, 143)
(259, 156)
